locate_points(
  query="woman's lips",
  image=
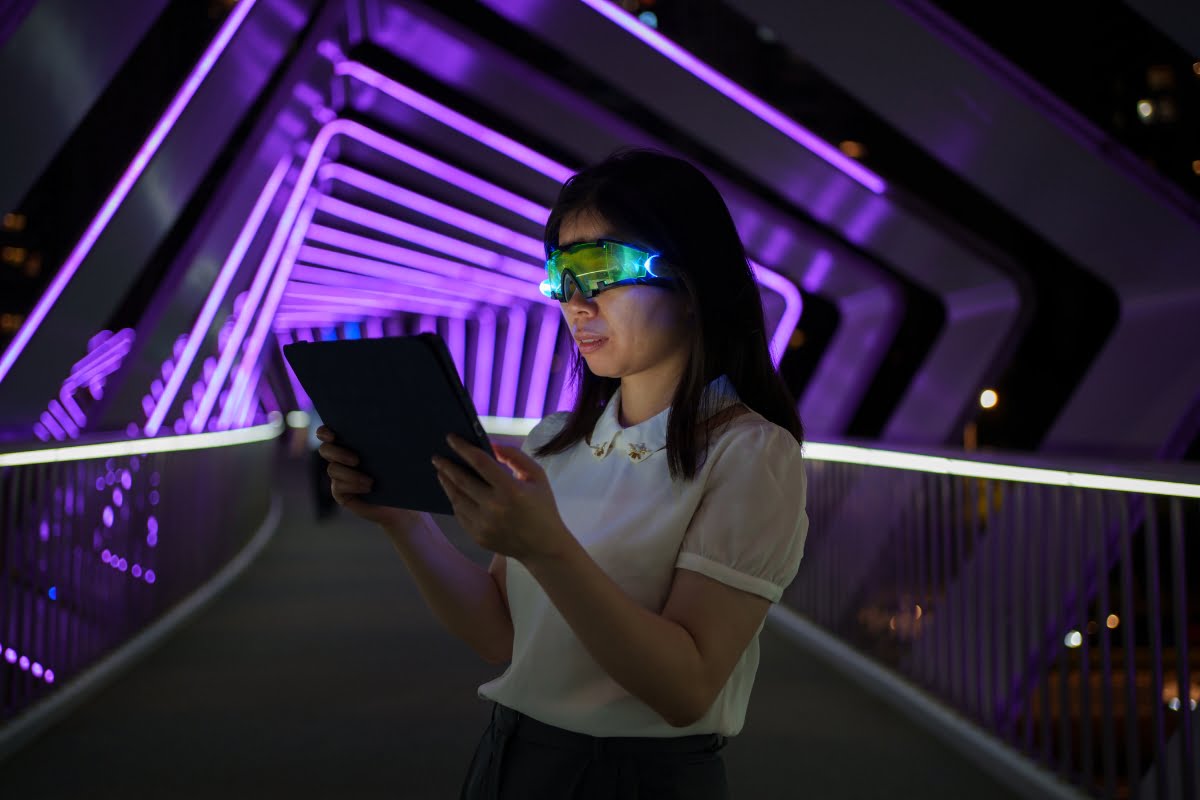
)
(586, 347)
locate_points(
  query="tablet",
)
(392, 401)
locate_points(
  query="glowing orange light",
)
(853, 149)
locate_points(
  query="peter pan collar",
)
(639, 441)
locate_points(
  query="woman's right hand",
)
(347, 483)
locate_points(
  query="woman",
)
(640, 538)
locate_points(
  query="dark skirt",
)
(519, 758)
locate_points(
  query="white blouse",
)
(741, 521)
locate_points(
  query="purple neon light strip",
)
(485, 353)
(755, 105)
(262, 276)
(351, 271)
(792, 309)
(247, 406)
(102, 367)
(68, 402)
(284, 337)
(452, 119)
(107, 354)
(435, 265)
(296, 320)
(216, 294)
(772, 280)
(502, 198)
(402, 230)
(263, 313)
(300, 191)
(99, 349)
(64, 419)
(510, 370)
(479, 226)
(543, 360)
(335, 297)
(456, 343)
(134, 171)
(478, 256)
(517, 316)
(52, 425)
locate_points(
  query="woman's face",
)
(642, 327)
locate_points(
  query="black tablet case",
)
(392, 401)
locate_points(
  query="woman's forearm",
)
(462, 595)
(651, 657)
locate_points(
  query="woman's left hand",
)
(511, 514)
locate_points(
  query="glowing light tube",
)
(480, 256)
(451, 118)
(486, 229)
(894, 459)
(395, 255)
(755, 105)
(216, 294)
(262, 315)
(125, 184)
(139, 447)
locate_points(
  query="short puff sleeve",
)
(749, 529)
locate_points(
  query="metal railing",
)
(1051, 607)
(97, 541)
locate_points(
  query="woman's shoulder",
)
(741, 428)
(547, 428)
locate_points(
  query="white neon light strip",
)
(508, 426)
(521, 426)
(139, 447)
(914, 462)
(134, 171)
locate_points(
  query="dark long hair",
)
(669, 205)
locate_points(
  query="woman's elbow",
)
(498, 659)
(500, 651)
(687, 715)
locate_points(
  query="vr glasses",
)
(592, 267)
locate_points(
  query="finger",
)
(459, 498)
(340, 455)
(521, 463)
(344, 494)
(324, 434)
(463, 480)
(351, 476)
(351, 486)
(491, 472)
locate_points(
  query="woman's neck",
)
(646, 394)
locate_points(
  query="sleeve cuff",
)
(729, 576)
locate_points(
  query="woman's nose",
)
(577, 302)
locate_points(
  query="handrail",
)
(1050, 606)
(99, 539)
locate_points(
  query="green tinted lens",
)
(596, 266)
